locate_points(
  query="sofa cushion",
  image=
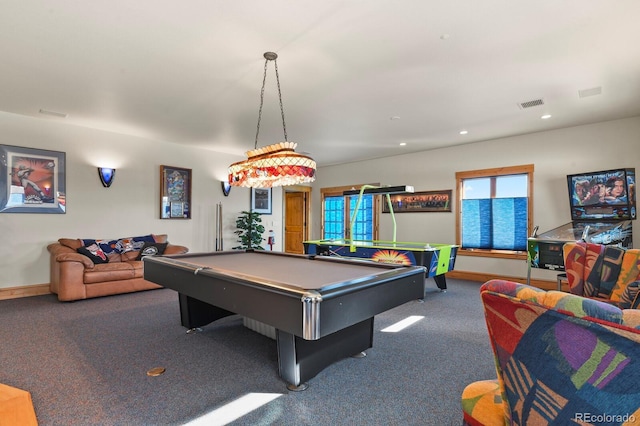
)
(575, 254)
(593, 269)
(629, 273)
(151, 249)
(160, 238)
(568, 303)
(110, 272)
(95, 253)
(72, 243)
(630, 298)
(129, 255)
(611, 265)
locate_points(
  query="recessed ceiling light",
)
(546, 116)
(464, 132)
(403, 144)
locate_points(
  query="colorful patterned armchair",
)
(607, 273)
(560, 359)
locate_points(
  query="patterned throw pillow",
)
(95, 253)
(121, 245)
(133, 243)
(151, 249)
(107, 246)
(124, 245)
(630, 298)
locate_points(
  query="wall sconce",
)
(106, 176)
(226, 187)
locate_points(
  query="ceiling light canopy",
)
(277, 164)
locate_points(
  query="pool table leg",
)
(441, 281)
(195, 313)
(300, 360)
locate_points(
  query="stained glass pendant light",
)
(273, 165)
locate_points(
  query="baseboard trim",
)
(40, 289)
(483, 277)
(24, 291)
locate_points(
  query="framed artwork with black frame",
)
(32, 180)
(425, 201)
(175, 193)
(261, 200)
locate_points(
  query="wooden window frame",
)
(337, 191)
(494, 172)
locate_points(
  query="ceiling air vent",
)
(531, 104)
(590, 92)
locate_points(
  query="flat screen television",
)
(604, 195)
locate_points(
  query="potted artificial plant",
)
(249, 231)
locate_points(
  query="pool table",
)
(437, 258)
(322, 308)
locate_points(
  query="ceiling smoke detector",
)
(531, 104)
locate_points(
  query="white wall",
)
(554, 154)
(129, 208)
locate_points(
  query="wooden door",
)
(295, 222)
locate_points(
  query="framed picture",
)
(175, 193)
(177, 209)
(32, 180)
(261, 200)
(426, 201)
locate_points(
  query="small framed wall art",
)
(175, 193)
(261, 200)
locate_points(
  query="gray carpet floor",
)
(85, 363)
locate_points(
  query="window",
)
(363, 224)
(495, 211)
(337, 210)
(333, 218)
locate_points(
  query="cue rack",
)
(218, 226)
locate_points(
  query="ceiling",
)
(358, 77)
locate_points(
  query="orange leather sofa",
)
(75, 276)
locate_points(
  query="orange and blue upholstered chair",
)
(560, 359)
(608, 273)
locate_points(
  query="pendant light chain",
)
(264, 81)
(284, 126)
